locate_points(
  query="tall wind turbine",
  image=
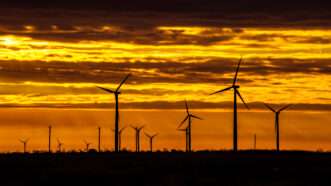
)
(236, 92)
(87, 144)
(49, 138)
(138, 130)
(277, 113)
(59, 145)
(99, 139)
(150, 138)
(25, 142)
(189, 126)
(116, 93)
(186, 130)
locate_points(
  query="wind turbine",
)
(186, 130)
(277, 113)
(87, 144)
(99, 139)
(59, 145)
(25, 142)
(189, 126)
(120, 137)
(151, 137)
(235, 88)
(138, 130)
(254, 141)
(49, 138)
(116, 93)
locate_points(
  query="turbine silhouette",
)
(235, 88)
(59, 145)
(99, 139)
(49, 138)
(277, 113)
(186, 130)
(87, 145)
(116, 93)
(189, 126)
(150, 138)
(137, 130)
(254, 141)
(25, 142)
(120, 137)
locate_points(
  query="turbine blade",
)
(269, 107)
(237, 70)
(135, 128)
(149, 136)
(105, 89)
(186, 107)
(193, 116)
(122, 82)
(285, 107)
(238, 93)
(141, 127)
(183, 121)
(122, 129)
(221, 91)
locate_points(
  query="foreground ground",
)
(200, 168)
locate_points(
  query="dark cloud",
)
(148, 13)
(178, 105)
(212, 71)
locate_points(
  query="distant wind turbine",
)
(59, 145)
(186, 130)
(99, 139)
(235, 88)
(49, 138)
(254, 141)
(120, 132)
(87, 144)
(277, 113)
(189, 126)
(138, 130)
(150, 138)
(116, 93)
(25, 142)
(120, 137)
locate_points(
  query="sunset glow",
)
(55, 62)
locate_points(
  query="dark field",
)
(175, 168)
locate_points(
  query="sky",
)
(54, 54)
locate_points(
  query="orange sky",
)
(299, 130)
(57, 61)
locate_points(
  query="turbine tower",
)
(59, 145)
(87, 145)
(120, 137)
(236, 93)
(49, 138)
(25, 142)
(116, 93)
(186, 130)
(277, 113)
(254, 141)
(150, 138)
(138, 130)
(99, 139)
(189, 126)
